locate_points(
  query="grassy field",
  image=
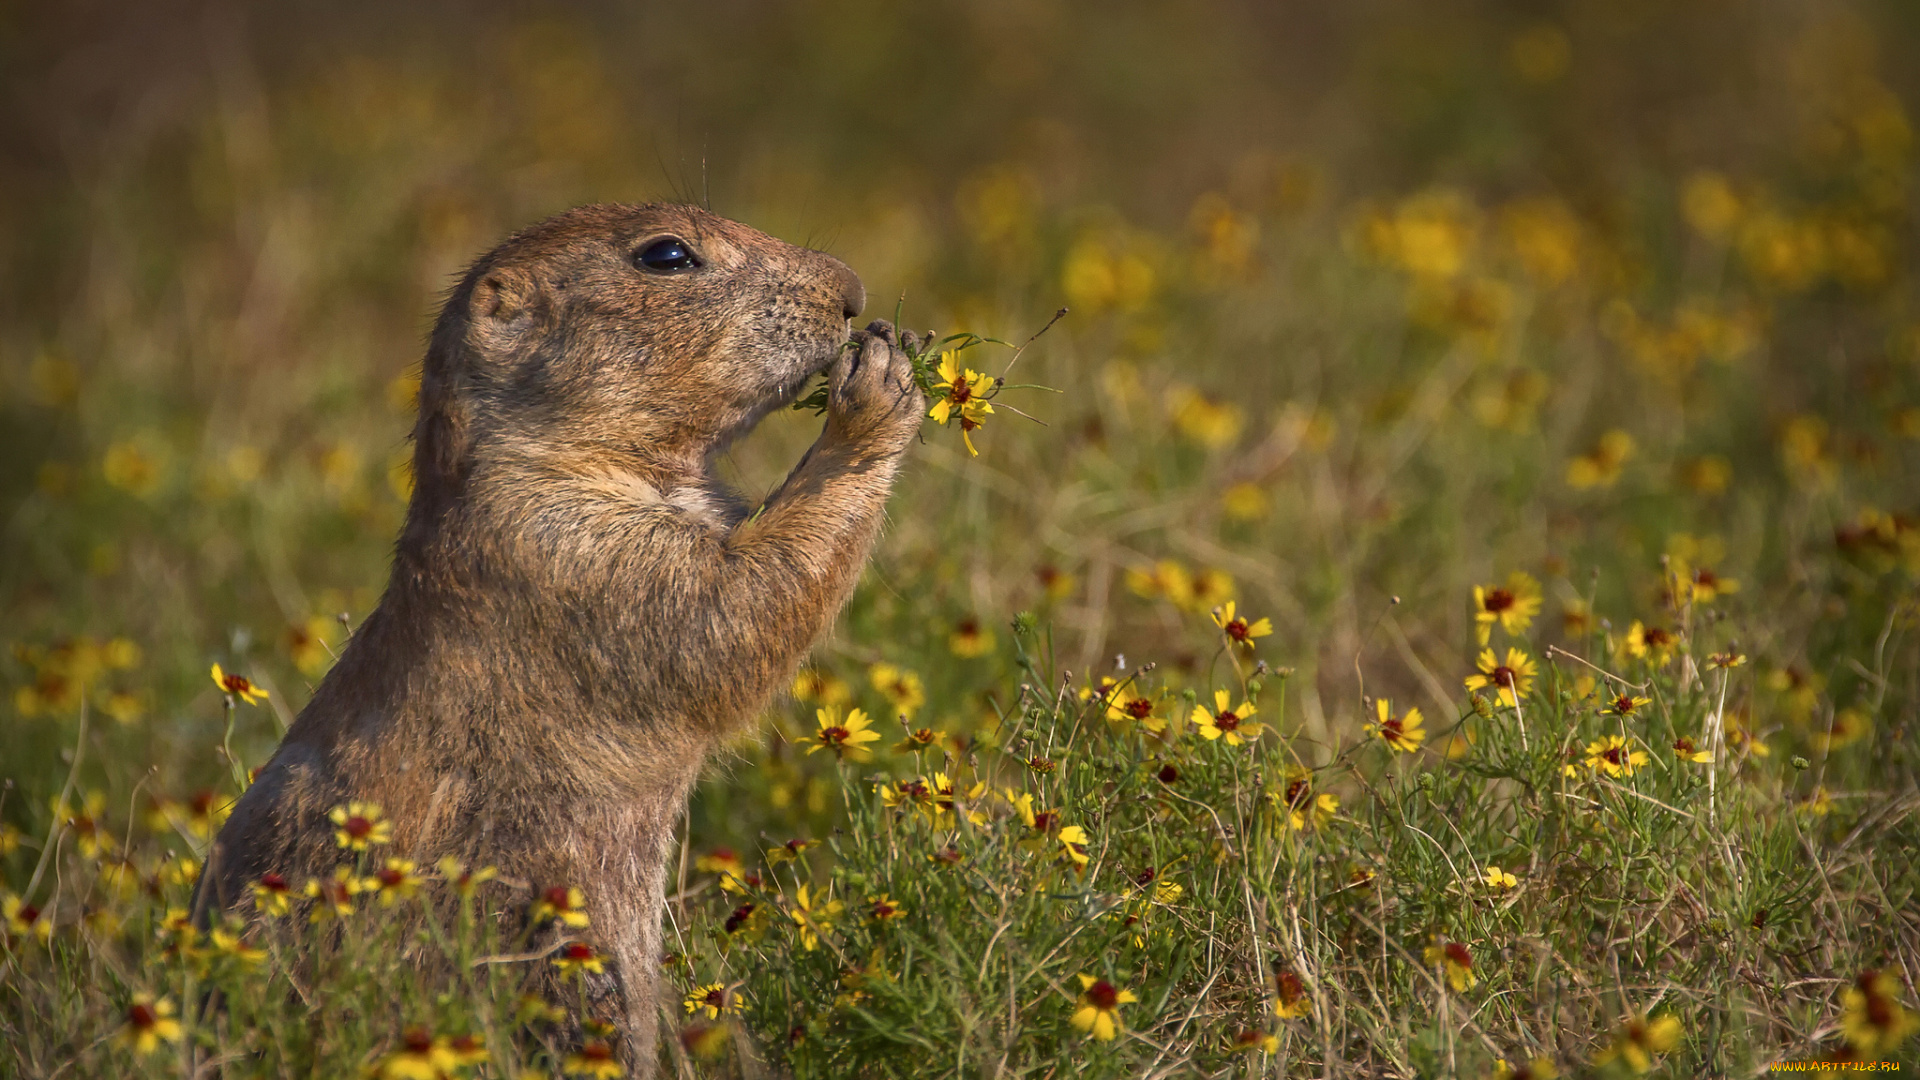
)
(1453, 613)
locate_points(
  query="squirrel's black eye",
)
(666, 255)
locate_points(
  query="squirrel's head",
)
(648, 333)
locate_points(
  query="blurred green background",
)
(1370, 299)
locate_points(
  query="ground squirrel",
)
(578, 610)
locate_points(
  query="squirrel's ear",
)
(507, 304)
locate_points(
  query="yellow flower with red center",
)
(333, 896)
(1303, 808)
(1624, 704)
(1638, 1040)
(1404, 733)
(1453, 958)
(1291, 998)
(1540, 1068)
(271, 895)
(1223, 722)
(961, 395)
(577, 957)
(562, 904)
(394, 881)
(149, 1022)
(360, 825)
(724, 862)
(812, 918)
(970, 639)
(1500, 880)
(1251, 1041)
(229, 944)
(465, 881)
(1126, 706)
(1166, 580)
(1099, 1004)
(1512, 605)
(713, 999)
(846, 738)
(883, 908)
(419, 1056)
(790, 851)
(821, 686)
(1649, 643)
(1684, 749)
(238, 686)
(1873, 1020)
(1239, 631)
(84, 824)
(23, 920)
(917, 740)
(1511, 680)
(902, 688)
(1614, 756)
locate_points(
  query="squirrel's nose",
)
(853, 295)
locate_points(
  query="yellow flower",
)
(1167, 580)
(1238, 630)
(970, 639)
(1292, 999)
(1601, 466)
(963, 396)
(359, 825)
(1513, 606)
(790, 851)
(23, 920)
(149, 1022)
(824, 687)
(596, 1060)
(561, 904)
(420, 1056)
(1073, 843)
(1684, 749)
(846, 740)
(1456, 961)
(463, 880)
(917, 740)
(1624, 704)
(394, 881)
(90, 836)
(1639, 1039)
(1612, 755)
(810, 920)
(1246, 502)
(714, 998)
(1649, 643)
(1297, 799)
(238, 686)
(1251, 1041)
(1513, 679)
(883, 907)
(902, 688)
(1099, 1011)
(333, 895)
(577, 957)
(1540, 1068)
(227, 943)
(1228, 723)
(270, 895)
(1499, 880)
(1124, 705)
(1874, 1021)
(1403, 733)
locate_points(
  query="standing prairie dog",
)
(578, 610)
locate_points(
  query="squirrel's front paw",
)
(872, 397)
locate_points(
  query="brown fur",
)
(578, 611)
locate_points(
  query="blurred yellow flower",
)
(1600, 466)
(24, 920)
(970, 639)
(394, 880)
(577, 957)
(811, 919)
(1872, 1018)
(271, 895)
(596, 1060)
(1708, 202)
(333, 896)
(360, 825)
(1651, 644)
(1456, 962)
(1540, 53)
(1095, 277)
(1250, 502)
(1099, 1004)
(812, 684)
(1638, 1040)
(149, 1022)
(1291, 999)
(1685, 750)
(130, 467)
(1166, 580)
(1202, 419)
(562, 904)
(901, 687)
(1513, 605)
